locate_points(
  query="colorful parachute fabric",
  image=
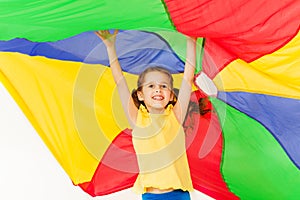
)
(246, 147)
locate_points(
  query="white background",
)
(27, 168)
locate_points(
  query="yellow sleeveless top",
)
(159, 142)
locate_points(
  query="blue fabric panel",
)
(136, 50)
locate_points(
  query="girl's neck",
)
(154, 111)
(157, 112)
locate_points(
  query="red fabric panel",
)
(236, 28)
(204, 151)
(118, 169)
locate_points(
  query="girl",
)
(156, 116)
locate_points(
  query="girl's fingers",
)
(106, 33)
(99, 34)
(116, 31)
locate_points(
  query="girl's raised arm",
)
(125, 95)
(185, 90)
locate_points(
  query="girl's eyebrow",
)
(153, 82)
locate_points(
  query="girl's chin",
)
(157, 108)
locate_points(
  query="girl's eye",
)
(164, 86)
(150, 85)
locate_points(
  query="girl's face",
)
(156, 91)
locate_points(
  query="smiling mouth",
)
(158, 97)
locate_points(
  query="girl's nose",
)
(157, 89)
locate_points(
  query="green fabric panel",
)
(254, 165)
(48, 20)
(177, 42)
(200, 53)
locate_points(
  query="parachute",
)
(247, 147)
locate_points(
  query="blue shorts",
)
(173, 195)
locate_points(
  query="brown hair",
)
(199, 107)
(141, 80)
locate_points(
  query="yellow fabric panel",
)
(43, 88)
(274, 74)
(74, 107)
(86, 110)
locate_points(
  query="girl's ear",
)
(140, 96)
(172, 97)
(174, 94)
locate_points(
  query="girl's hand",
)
(108, 39)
